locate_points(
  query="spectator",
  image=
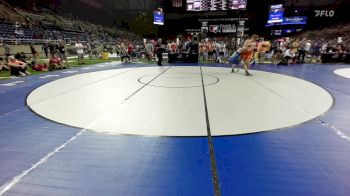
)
(38, 67)
(80, 52)
(231, 46)
(117, 48)
(295, 46)
(340, 53)
(278, 57)
(317, 51)
(95, 51)
(210, 49)
(21, 57)
(173, 47)
(62, 52)
(261, 55)
(3, 65)
(301, 51)
(124, 53)
(159, 51)
(7, 52)
(324, 47)
(168, 47)
(193, 46)
(288, 55)
(33, 51)
(55, 63)
(307, 48)
(149, 49)
(45, 48)
(89, 50)
(130, 49)
(284, 45)
(202, 51)
(17, 68)
(53, 48)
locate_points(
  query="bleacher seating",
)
(7, 30)
(26, 26)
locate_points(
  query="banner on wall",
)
(223, 28)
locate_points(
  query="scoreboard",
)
(215, 5)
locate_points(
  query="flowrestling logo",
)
(223, 28)
(324, 13)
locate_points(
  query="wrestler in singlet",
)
(248, 51)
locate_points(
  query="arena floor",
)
(136, 129)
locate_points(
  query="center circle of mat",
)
(115, 102)
(179, 80)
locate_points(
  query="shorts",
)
(247, 56)
(235, 58)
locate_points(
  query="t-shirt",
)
(130, 48)
(7, 50)
(210, 47)
(289, 53)
(79, 48)
(222, 47)
(307, 46)
(61, 49)
(159, 49)
(149, 48)
(173, 47)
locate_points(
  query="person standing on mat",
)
(247, 55)
(159, 52)
(244, 54)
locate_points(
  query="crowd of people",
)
(19, 63)
(296, 51)
(282, 51)
(57, 58)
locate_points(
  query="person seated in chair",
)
(288, 55)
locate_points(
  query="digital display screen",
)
(278, 6)
(301, 20)
(292, 20)
(215, 5)
(275, 17)
(276, 14)
(288, 31)
(158, 18)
